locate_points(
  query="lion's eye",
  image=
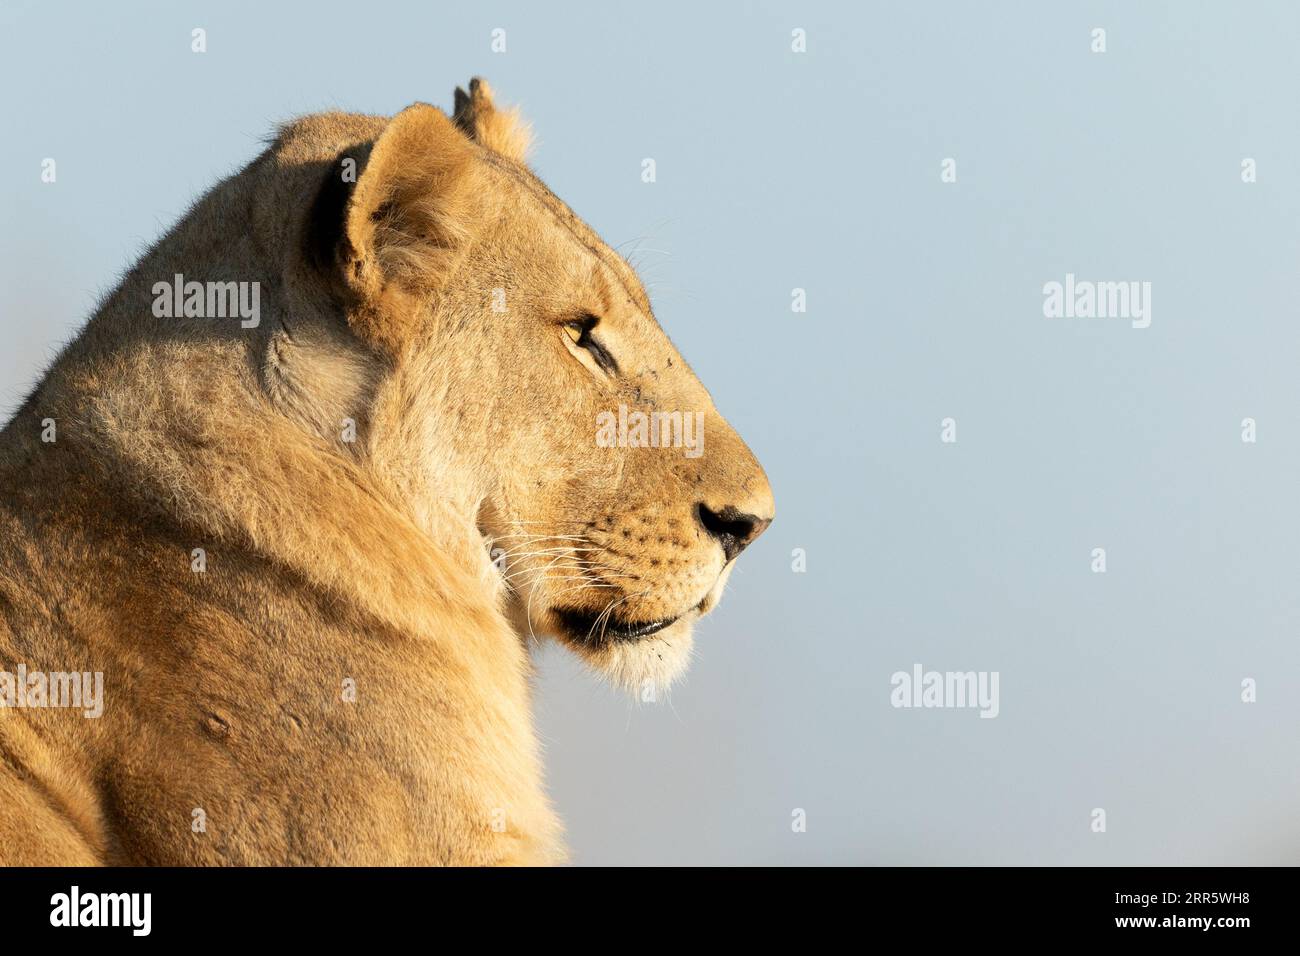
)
(579, 332)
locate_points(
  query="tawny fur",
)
(330, 560)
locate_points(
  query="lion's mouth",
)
(595, 628)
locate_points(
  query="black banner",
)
(1165, 906)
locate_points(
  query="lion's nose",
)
(733, 528)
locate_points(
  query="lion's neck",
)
(211, 452)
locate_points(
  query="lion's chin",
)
(643, 666)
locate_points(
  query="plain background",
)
(820, 171)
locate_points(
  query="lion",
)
(309, 542)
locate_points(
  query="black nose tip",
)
(732, 528)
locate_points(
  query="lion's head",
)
(516, 373)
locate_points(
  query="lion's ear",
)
(404, 221)
(503, 132)
(413, 201)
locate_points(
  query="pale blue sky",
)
(821, 171)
